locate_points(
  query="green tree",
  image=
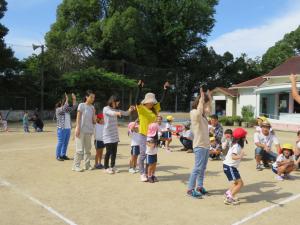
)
(287, 47)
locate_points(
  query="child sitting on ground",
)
(167, 133)
(186, 138)
(151, 151)
(231, 163)
(226, 141)
(133, 131)
(99, 145)
(285, 163)
(214, 149)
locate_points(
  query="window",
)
(283, 103)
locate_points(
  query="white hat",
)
(149, 98)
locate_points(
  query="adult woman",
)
(148, 110)
(110, 131)
(63, 117)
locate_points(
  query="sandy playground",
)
(37, 189)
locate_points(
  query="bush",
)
(247, 113)
(226, 120)
(237, 119)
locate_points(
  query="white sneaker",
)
(144, 178)
(77, 169)
(109, 171)
(131, 170)
(279, 178)
(89, 168)
(115, 170)
(136, 170)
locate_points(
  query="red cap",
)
(100, 116)
(239, 133)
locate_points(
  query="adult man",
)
(216, 129)
(264, 141)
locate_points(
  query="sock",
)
(229, 194)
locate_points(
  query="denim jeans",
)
(63, 137)
(201, 159)
(266, 156)
(188, 144)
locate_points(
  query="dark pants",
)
(111, 151)
(188, 144)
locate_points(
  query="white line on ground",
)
(36, 201)
(258, 213)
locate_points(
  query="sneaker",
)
(155, 179)
(115, 170)
(144, 178)
(210, 159)
(189, 151)
(194, 194)
(259, 167)
(150, 180)
(287, 176)
(59, 159)
(109, 171)
(202, 190)
(89, 168)
(136, 170)
(77, 169)
(279, 178)
(65, 157)
(230, 201)
(168, 150)
(98, 166)
(131, 170)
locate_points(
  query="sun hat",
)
(152, 129)
(239, 133)
(100, 116)
(132, 125)
(212, 139)
(265, 124)
(170, 118)
(149, 98)
(262, 118)
(288, 147)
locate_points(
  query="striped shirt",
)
(61, 113)
(110, 131)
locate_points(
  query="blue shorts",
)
(135, 150)
(150, 159)
(274, 170)
(166, 135)
(99, 144)
(231, 172)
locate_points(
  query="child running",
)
(230, 165)
(99, 145)
(285, 163)
(167, 133)
(26, 122)
(133, 131)
(151, 151)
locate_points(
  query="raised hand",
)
(141, 83)
(73, 97)
(166, 85)
(293, 78)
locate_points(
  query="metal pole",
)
(42, 82)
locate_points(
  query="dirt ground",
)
(37, 189)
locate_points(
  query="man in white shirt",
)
(264, 141)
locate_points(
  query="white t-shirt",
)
(235, 149)
(188, 134)
(151, 150)
(87, 115)
(67, 121)
(266, 140)
(99, 132)
(135, 138)
(281, 158)
(168, 127)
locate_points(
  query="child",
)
(214, 149)
(99, 145)
(3, 122)
(133, 131)
(285, 163)
(231, 163)
(226, 141)
(162, 126)
(151, 151)
(26, 122)
(167, 133)
(186, 138)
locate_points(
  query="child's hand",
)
(77, 132)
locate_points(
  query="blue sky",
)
(243, 26)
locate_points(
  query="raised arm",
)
(294, 89)
(139, 92)
(166, 88)
(200, 107)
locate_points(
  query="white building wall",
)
(246, 97)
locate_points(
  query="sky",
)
(242, 26)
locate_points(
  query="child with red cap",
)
(151, 151)
(230, 164)
(99, 145)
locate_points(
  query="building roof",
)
(291, 65)
(226, 91)
(256, 82)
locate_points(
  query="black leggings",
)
(111, 150)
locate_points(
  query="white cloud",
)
(255, 41)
